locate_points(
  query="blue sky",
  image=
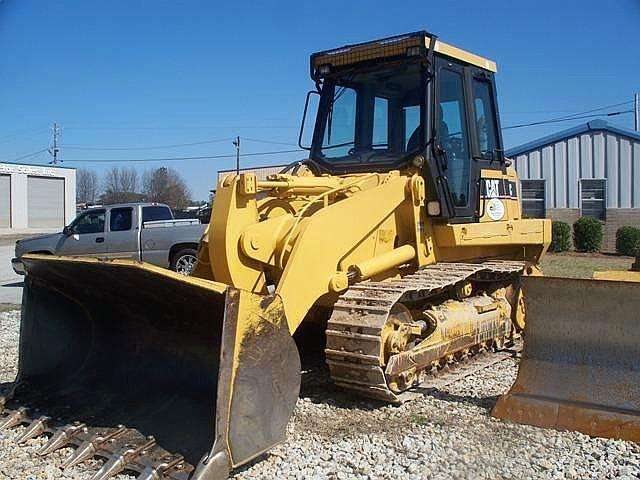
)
(128, 73)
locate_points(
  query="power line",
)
(183, 127)
(272, 142)
(177, 159)
(72, 146)
(558, 120)
(28, 155)
(571, 116)
(30, 133)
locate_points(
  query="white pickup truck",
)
(146, 232)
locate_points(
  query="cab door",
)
(454, 139)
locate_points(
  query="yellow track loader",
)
(401, 236)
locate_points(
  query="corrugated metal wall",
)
(5, 201)
(592, 155)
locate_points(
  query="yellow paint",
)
(623, 276)
(379, 50)
(465, 56)
(325, 226)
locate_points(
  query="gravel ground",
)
(442, 435)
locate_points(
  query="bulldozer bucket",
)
(580, 368)
(160, 374)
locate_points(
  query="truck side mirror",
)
(304, 121)
(67, 230)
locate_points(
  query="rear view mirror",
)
(68, 231)
(305, 137)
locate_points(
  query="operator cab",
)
(409, 100)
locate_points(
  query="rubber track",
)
(355, 327)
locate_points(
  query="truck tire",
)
(184, 261)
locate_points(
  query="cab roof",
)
(406, 45)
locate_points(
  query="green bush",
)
(561, 236)
(627, 240)
(587, 235)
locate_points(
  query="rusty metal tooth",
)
(35, 429)
(89, 448)
(150, 473)
(110, 469)
(14, 419)
(157, 471)
(61, 438)
(117, 462)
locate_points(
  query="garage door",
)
(5, 201)
(45, 202)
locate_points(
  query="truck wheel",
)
(184, 261)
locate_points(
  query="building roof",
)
(36, 165)
(592, 126)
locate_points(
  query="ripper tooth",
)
(150, 473)
(89, 447)
(14, 419)
(158, 471)
(117, 462)
(83, 453)
(61, 438)
(35, 429)
(112, 468)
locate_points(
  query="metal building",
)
(589, 170)
(36, 198)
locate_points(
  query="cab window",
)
(89, 222)
(120, 219)
(340, 134)
(453, 136)
(380, 123)
(485, 119)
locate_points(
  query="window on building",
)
(532, 194)
(593, 197)
(120, 220)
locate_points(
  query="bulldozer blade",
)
(210, 371)
(580, 368)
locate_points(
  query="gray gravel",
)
(442, 435)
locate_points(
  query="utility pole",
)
(54, 150)
(636, 111)
(236, 142)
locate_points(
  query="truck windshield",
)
(372, 116)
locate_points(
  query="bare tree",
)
(165, 185)
(128, 180)
(121, 185)
(86, 186)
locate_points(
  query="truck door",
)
(86, 235)
(122, 237)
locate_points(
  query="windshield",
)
(369, 117)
